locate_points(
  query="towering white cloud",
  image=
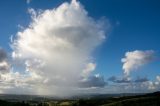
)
(56, 48)
(135, 59)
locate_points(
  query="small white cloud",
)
(118, 23)
(151, 85)
(20, 27)
(28, 1)
(158, 78)
(135, 59)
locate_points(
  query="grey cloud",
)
(145, 79)
(93, 81)
(4, 65)
(128, 79)
(3, 55)
(119, 80)
(113, 78)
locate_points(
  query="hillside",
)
(151, 99)
(145, 100)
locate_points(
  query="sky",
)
(71, 47)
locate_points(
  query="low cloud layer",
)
(139, 79)
(135, 59)
(93, 81)
(119, 80)
(115, 79)
(154, 85)
(133, 85)
(54, 54)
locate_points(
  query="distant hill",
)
(154, 94)
(150, 99)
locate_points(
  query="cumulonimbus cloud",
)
(56, 49)
(135, 59)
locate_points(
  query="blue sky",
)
(134, 25)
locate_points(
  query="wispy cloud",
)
(28, 1)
